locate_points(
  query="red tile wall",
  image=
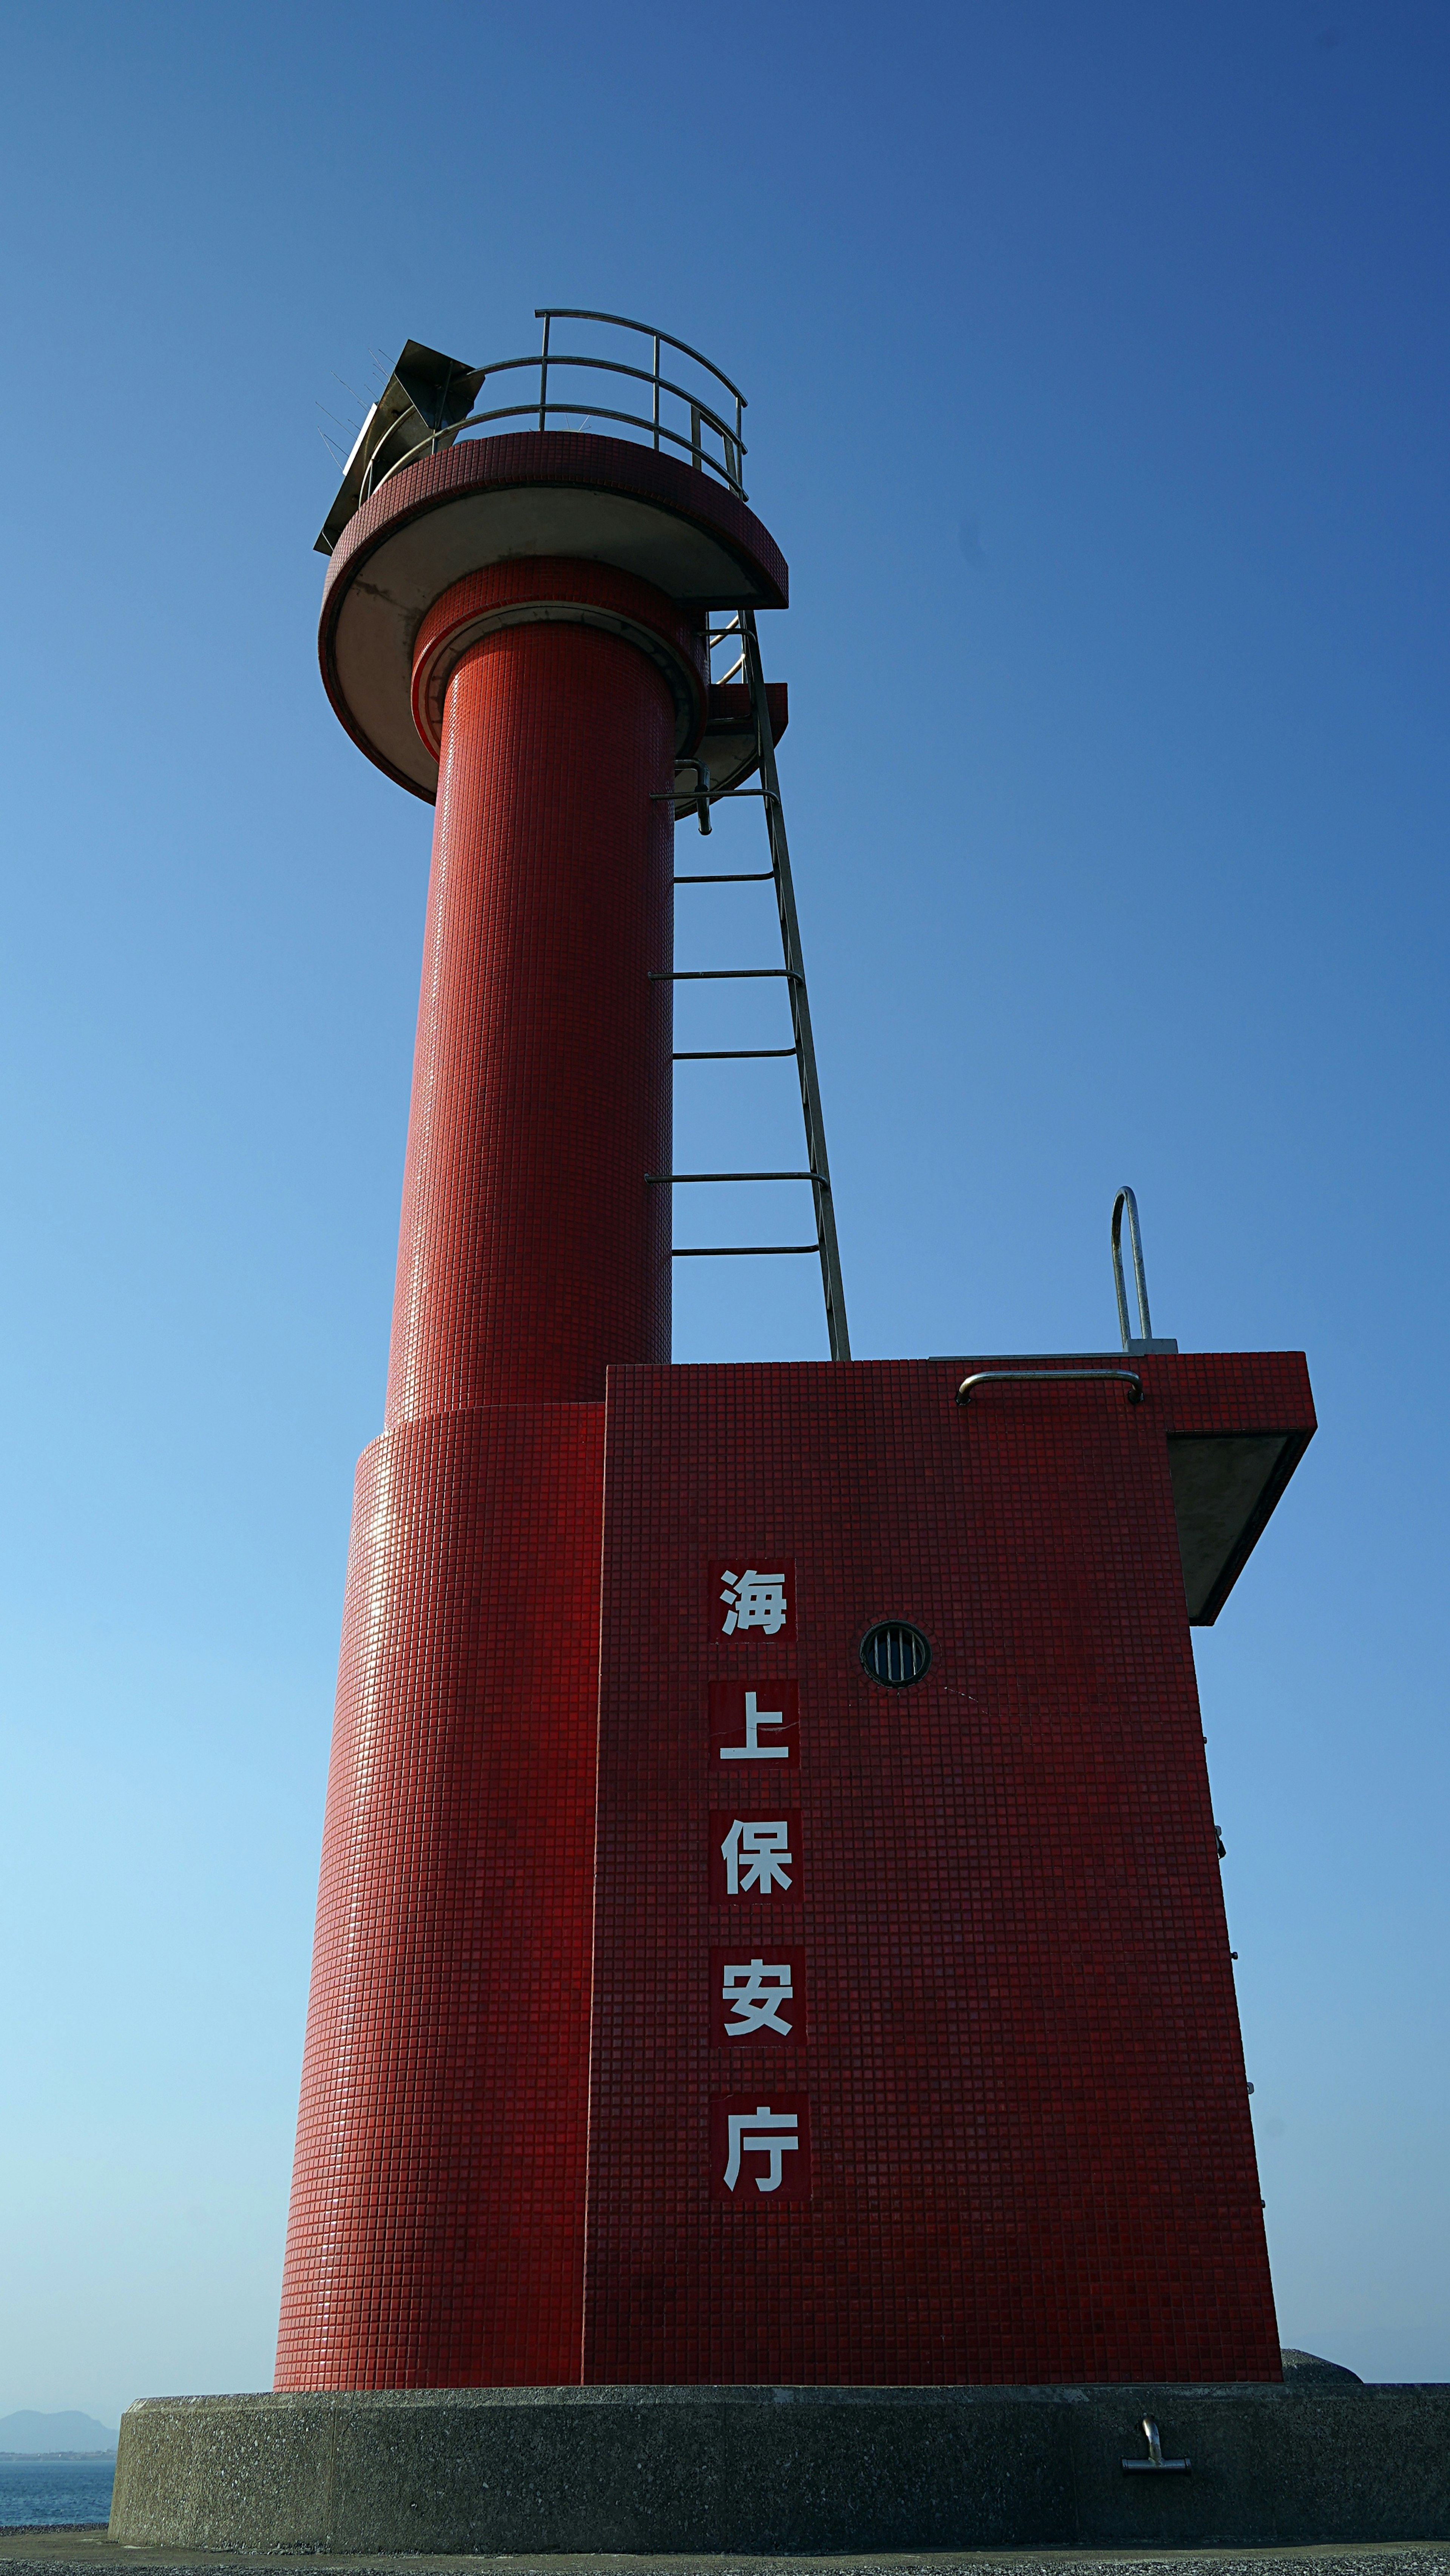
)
(1021, 2138)
(1031, 2156)
(531, 1252)
(1018, 2139)
(436, 2234)
(437, 2229)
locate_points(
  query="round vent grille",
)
(895, 1653)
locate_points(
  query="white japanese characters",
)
(761, 2132)
(752, 1750)
(755, 1719)
(754, 1601)
(753, 1991)
(756, 1852)
(759, 1988)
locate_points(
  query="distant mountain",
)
(30, 2433)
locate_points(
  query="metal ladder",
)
(792, 972)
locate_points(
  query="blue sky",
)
(1097, 369)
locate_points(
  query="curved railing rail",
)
(707, 432)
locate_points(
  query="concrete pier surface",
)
(89, 2552)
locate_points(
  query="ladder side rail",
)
(815, 1125)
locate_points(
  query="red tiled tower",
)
(869, 2031)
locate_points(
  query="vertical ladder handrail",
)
(1126, 1199)
(836, 1329)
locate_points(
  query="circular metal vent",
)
(895, 1653)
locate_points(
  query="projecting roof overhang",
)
(495, 500)
(1225, 1485)
(1235, 1425)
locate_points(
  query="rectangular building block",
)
(1022, 2140)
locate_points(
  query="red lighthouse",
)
(770, 1923)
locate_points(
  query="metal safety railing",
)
(709, 441)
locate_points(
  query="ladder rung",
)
(689, 796)
(724, 1055)
(734, 1251)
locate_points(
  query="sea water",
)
(55, 2491)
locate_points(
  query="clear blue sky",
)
(1096, 355)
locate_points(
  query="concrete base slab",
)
(88, 2552)
(658, 2471)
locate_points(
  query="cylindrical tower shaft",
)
(436, 2236)
(532, 1251)
(436, 2229)
(520, 624)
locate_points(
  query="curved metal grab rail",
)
(1004, 1377)
(1126, 1199)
